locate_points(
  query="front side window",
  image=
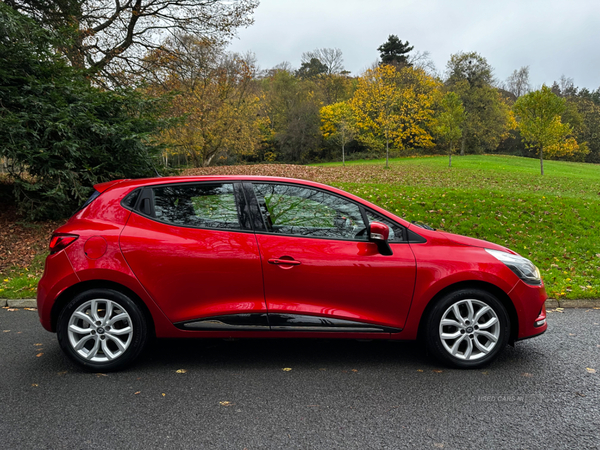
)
(301, 211)
(396, 231)
(197, 205)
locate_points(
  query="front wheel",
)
(467, 328)
(102, 330)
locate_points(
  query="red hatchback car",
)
(257, 257)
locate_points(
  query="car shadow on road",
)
(310, 353)
(258, 353)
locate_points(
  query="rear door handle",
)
(289, 262)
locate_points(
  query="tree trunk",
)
(450, 158)
(387, 153)
(542, 159)
(462, 147)
(343, 157)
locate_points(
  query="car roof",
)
(187, 179)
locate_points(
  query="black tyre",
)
(467, 328)
(102, 330)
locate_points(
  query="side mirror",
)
(379, 234)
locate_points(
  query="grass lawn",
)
(553, 220)
(21, 282)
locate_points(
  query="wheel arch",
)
(474, 284)
(69, 294)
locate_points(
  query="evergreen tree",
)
(60, 135)
(394, 51)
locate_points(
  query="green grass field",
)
(551, 219)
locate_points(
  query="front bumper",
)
(529, 302)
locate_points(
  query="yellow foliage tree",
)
(215, 96)
(539, 120)
(395, 106)
(338, 125)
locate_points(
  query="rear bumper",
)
(58, 276)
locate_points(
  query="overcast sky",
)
(552, 37)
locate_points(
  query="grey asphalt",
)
(338, 394)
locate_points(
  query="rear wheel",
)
(467, 328)
(102, 330)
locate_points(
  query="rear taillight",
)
(61, 241)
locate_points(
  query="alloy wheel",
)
(100, 330)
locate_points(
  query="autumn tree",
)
(311, 69)
(338, 125)
(113, 36)
(487, 117)
(589, 129)
(394, 51)
(394, 107)
(448, 122)
(539, 119)
(214, 92)
(336, 88)
(518, 82)
(331, 58)
(289, 116)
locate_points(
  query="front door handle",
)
(283, 261)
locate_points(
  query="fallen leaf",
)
(419, 370)
(485, 373)
(181, 371)
(6, 331)
(580, 394)
(437, 370)
(354, 370)
(37, 345)
(590, 370)
(30, 309)
(286, 369)
(163, 394)
(62, 373)
(136, 393)
(571, 334)
(11, 309)
(34, 384)
(38, 355)
(225, 403)
(528, 375)
(101, 375)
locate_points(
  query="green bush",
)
(59, 133)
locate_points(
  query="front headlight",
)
(522, 267)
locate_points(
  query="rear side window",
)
(197, 205)
(93, 197)
(131, 199)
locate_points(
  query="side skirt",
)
(282, 322)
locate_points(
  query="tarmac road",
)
(338, 394)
